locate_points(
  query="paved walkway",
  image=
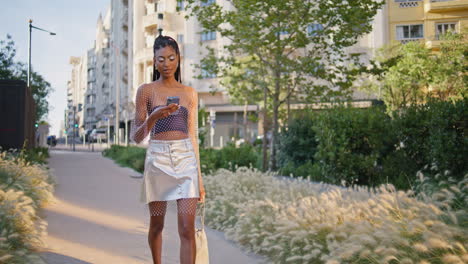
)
(98, 219)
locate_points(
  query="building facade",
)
(425, 20)
(76, 88)
(120, 87)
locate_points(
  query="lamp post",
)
(29, 54)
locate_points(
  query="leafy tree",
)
(241, 87)
(408, 74)
(10, 69)
(450, 77)
(299, 46)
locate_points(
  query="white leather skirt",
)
(171, 171)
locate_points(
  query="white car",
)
(99, 135)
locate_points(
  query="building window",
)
(409, 32)
(443, 28)
(207, 2)
(313, 29)
(208, 35)
(180, 5)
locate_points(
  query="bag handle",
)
(202, 214)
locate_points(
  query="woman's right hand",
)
(163, 111)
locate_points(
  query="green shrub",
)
(208, 160)
(297, 144)
(38, 155)
(431, 133)
(352, 144)
(366, 146)
(306, 170)
(243, 156)
(229, 157)
(131, 156)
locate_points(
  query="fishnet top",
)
(181, 124)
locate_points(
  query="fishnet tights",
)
(184, 206)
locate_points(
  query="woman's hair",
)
(162, 42)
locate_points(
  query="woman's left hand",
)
(202, 195)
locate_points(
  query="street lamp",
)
(29, 55)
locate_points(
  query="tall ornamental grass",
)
(24, 189)
(298, 221)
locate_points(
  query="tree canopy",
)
(11, 69)
(286, 49)
(408, 74)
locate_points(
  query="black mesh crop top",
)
(174, 122)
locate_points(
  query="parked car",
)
(98, 135)
(51, 141)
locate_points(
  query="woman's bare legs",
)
(157, 213)
(186, 211)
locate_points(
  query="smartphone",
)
(173, 100)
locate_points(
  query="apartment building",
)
(98, 95)
(76, 88)
(425, 20)
(88, 92)
(120, 87)
(104, 84)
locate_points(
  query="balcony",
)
(124, 47)
(441, 6)
(407, 40)
(125, 77)
(125, 22)
(90, 106)
(144, 55)
(150, 20)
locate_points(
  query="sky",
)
(73, 21)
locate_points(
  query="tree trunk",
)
(264, 143)
(235, 135)
(246, 137)
(274, 135)
(289, 108)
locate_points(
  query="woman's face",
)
(166, 61)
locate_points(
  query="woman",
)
(172, 171)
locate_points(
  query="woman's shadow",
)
(54, 258)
